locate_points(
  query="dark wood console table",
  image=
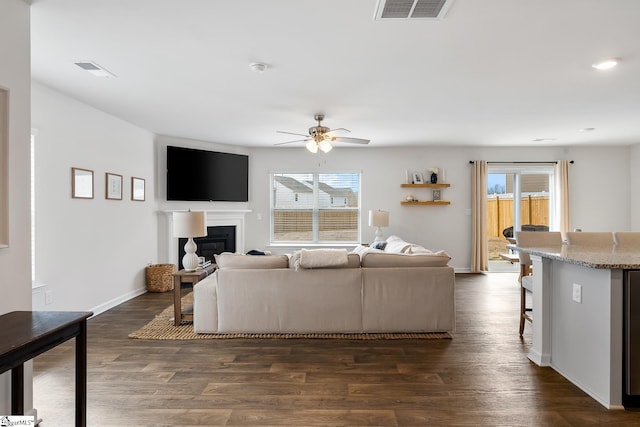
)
(26, 334)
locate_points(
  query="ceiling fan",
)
(321, 137)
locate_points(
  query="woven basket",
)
(160, 277)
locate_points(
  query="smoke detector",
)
(411, 9)
(258, 67)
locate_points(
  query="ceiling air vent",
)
(94, 69)
(411, 9)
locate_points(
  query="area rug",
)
(162, 328)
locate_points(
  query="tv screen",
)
(199, 175)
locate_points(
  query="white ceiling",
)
(492, 72)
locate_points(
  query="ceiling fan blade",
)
(339, 130)
(290, 142)
(350, 140)
(292, 133)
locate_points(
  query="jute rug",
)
(162, 328)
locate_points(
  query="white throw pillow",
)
(396, 245)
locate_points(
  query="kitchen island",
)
(578, 315)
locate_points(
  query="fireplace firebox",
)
(218, 239)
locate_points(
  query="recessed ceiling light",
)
(607, 64)
(587, 129)
(543, 139)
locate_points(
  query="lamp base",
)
(378, 235)
(190, 259)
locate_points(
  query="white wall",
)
(15, 276)
(634, 181)
(599, 183)
(91, 254)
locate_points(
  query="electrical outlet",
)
(48, 297)
(577, 293)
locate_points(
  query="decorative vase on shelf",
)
(434, 178)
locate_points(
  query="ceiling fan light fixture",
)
(325, 146)
(312, 146)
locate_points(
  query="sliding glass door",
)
(520, 197)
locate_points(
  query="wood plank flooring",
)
(480, 378)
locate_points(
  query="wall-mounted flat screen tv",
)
(199, 175)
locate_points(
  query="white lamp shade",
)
(378, 218)
(189, 224)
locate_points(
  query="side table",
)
(26, 334)
(187, 277)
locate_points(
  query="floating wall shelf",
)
(426, 202)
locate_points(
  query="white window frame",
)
(316, 240)
(519, 169)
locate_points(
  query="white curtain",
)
(479, 240)
(562, 209)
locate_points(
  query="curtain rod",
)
(555, 162)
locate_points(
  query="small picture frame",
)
(137, 189)
(81, 183)
(436, 195)
(417, 178)
(113, 186)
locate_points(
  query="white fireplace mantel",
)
(215, 218)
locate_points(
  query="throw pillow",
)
(379, 245)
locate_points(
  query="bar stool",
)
(531, 239)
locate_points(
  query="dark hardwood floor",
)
(480, 378)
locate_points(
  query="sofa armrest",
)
(205, 305)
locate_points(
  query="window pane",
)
(316, 208)
(532, 205)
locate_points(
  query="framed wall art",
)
(81, 183)
(137, 189)
(113, 186)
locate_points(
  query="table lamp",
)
(189, 224)
(378, 219)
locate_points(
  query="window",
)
(315, 208)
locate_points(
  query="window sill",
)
(312, 245)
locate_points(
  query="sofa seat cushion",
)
(238, 261)
(384, 260)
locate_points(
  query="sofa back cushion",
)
(384, 260)
(238, 261)
(352, 261)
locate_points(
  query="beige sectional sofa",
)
(370, 291)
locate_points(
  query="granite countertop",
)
(613, 257)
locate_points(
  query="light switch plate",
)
(577, 293)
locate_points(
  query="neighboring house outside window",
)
(315, 208)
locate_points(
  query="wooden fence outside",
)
(534, 210)
(302, 220)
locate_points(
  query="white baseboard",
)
(117, 301)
